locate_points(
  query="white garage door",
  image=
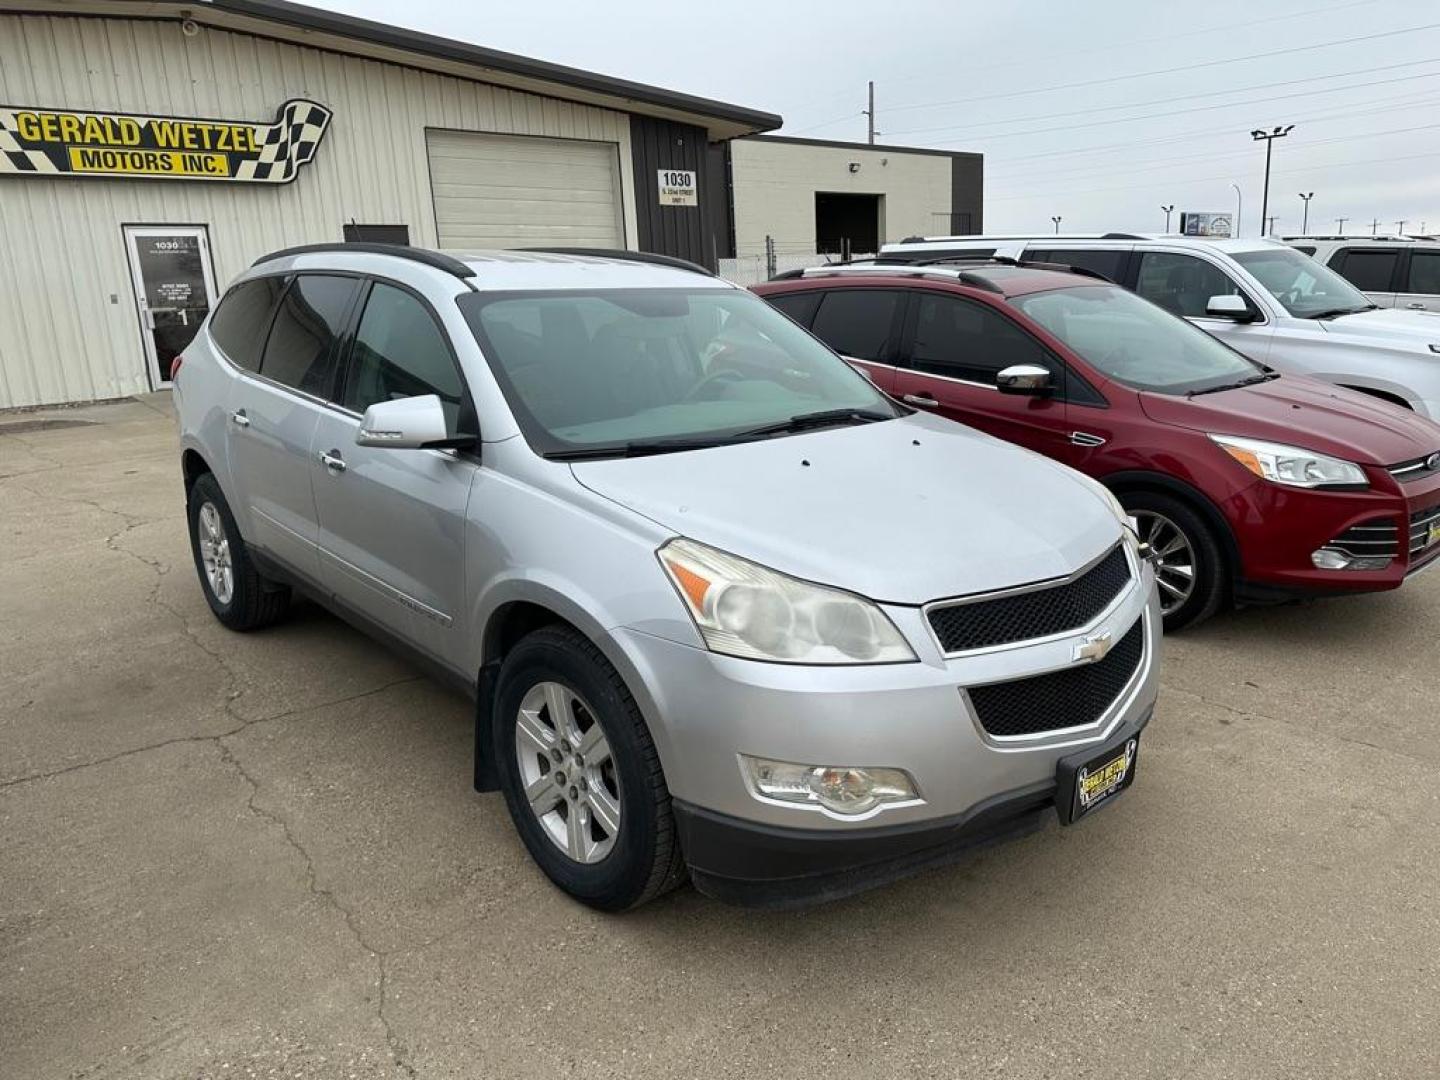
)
(505, 191)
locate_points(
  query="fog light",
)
(844, 789)
(1332, 559)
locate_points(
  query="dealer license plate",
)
(1086, 784)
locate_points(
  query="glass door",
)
(174, 290)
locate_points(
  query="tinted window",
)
(1369, 271)
(1181, 284)
(1424, 272)
(800, 306)
(858, 322)
(239, 323)
(1109, 264)
(300, 351)
(400, 352)
(1302, 285)
(1308, 249)
(965, 340)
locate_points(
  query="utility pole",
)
(1268, 138)
(1056, 220)
(1340, 222)
(1374, 226)
(870, 113)
(1271, 219)
(1400, 227)
(1305, 220)
(1167, 210)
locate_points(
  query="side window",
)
(300, 351)
(399, 352)
(1424, 272)
(858, 323)
(1306, 249)
(1368, 271)
(965, 340)
(239, 323)
(800, 306)
(1182, 284)
(1109, 263)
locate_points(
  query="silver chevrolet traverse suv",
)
(723, 606)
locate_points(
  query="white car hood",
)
(903, 511)
(1390, 326)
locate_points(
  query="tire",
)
(253, 601)
(1159, 514)
(613, 870)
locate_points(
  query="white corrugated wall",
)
(61, 253)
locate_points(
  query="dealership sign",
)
(59, 142)
(1195, 223)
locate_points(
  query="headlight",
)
(743, 609)
(1290, 464)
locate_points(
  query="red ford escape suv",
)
(1248, 485)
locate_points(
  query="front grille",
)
(1372, 538)
(1069, 698)
(1415, 469)
(1420, 523)
(1042, 612)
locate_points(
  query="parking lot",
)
(229, 856)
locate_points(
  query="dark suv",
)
(1247, 483)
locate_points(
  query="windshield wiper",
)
(1335, 313)
(807, 421)
(637, 448)
(1264, 376)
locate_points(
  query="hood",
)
(1392, 325)
(1308, 413)
(903, 511)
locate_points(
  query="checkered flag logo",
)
(17, 158)
(286, 144)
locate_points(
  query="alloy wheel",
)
(569, 777)
(1172, 556)
(215, 552)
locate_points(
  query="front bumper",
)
(708, 710)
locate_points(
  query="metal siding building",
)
(511, 152)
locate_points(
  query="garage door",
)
(504, 191)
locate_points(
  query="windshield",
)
(1305, 288)
(1135, 342)
(616, 368)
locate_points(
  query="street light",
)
(1340, 222)
(1268, 137)
(1167, 210)
(1400, 227)
(1305, 220)
(1056, 220)
(1236, 230)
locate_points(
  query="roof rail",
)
(903, 269)
(448, 263)
(998, 260)
(627, 256)
(1121, 236)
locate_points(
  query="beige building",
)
(150, 151)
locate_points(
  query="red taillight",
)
(175, 367)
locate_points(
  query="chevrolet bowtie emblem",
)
(1094, 648)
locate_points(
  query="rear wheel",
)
(237, 593)
(580, 773)
(1190, 569)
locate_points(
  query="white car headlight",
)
(744, 609)
(1291, 464)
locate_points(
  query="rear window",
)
(1369, 271)
(239, 323)
(800, 306)
(858, 323)
(1109, 264)
(300, 351)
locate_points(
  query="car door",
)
(273, 412)
(1422, 282)
(1372, 270)
(1182, 283)
(863, 324)
(392, 521)
(954, 347)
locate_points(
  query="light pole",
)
(1268, 137)
(1056, 220)
(1400, 227)
(1270, 227)
(1305, 219)
(1236, 230)
(1168, 210)
(1340, 222)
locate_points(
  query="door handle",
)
(332, 460)
(925, 401)
(239, 419)
(1416, 307)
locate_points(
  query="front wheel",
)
(580, 773)
(1190, 569)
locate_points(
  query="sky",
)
(1099, 112)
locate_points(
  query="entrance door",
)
(174, 290)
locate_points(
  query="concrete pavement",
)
(234, 856)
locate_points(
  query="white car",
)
(1269, 301)
(1393, 271)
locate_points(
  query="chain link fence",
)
(751, 268)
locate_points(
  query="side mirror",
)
(405, 424)
(1031, 379)
(1229, 307)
